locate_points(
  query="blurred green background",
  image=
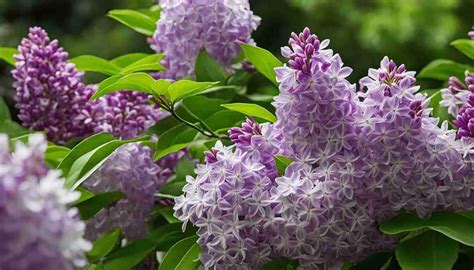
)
(413, 32)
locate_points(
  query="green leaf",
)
(251, 110)
(95, 64)
(453, 225)
(466, 46)
(263, 60)
(160, 87)
(430, 250)
(149, 63)
(442, 69)
(4, 111)
(130, 255)
(223, 120)
(175, 186)
(12, 129)
(438, 110)
(55, 154)
(6, 54)
(376, 261)
(167, 235)
(281, 265)
(140, 82)
(167, 213)
(139, 22)
(174, 140)
(208, 69)
(184, 255)
(127, 59)
(281, 163)
(104, 245)
(83, 148)
(89, 207)
(85, 194)
(184, 88)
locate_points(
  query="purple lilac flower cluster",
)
(37, 229)
(52, 97)
(187, 26)
(359, 158)
(457, 93)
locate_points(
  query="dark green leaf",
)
(167, 213)
(139, 22)
(174, 140)
(453, 225)
(4, 111)
(281, 265)
(251, 110)
(149, 63)
(202, 107)
(104, 245)
(85, 194)
(88, 208)
(466, 46)
(6, 54)
(281, 163)
(127, 59)
(430, 250)
(12, 129)
(130, 255)
(184, 88)
(183, 255)
(373, 262)
(263, 60)
(223, 120)
(442, 69)
(207, 69)
(140, 82)
(166, 236)
(95, 64)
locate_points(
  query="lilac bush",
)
(358, 159)
(187, 26)
(37, 229)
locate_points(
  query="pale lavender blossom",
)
(37, 229)
(187, 26)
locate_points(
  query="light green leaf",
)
(89, 207)
(263, 60)
(149, 63)
(281, 163)
(6, 54)
(104, 245)
(184, 255)
(466, 46)
(55, 154)
(207, 69)
(251, 110)
(442, 69)
(140, 82)
(139, 22)
(453, 225)
(95, 64)
(85, 194)
(4, 111)
(184, 88)
(430, 250)
(12, 129)
(128, 59)
(130, 255)
(160, 87)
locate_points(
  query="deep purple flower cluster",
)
(187, 26)
(457, 93)
(37, 230)
(50, 92)
(359, 158)
(465, 119)
(52, 97)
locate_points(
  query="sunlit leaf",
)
(91, 206)
(251, 110)
(442, 69)
(184, 255)
(95, 64)
(207, 69)
(466, 46)
(104, 245)
(138, 21)
(6, 54)
(263, 60)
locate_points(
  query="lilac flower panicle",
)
(465, 119)
(50, 93)
(457, 93)
(358, 159)
(187, 26)
(37, 229)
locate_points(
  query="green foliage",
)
(430, 250)
(140, 22)
(376, 261)
(282, 163)
(251, 110)
(104, 245)
(130, 255)
(174, 140)
(7, 126)
(453, 225)
(91, 206)
(442, 69)
(465, 46)
(174, 187)
(263, 60)
(184, 89)
(148, 63)
(55, 154)
(208, 69)
(95, 64)
(184, 255)
(127, 59)
(140, 82)
(281, 265)
(6, 54)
